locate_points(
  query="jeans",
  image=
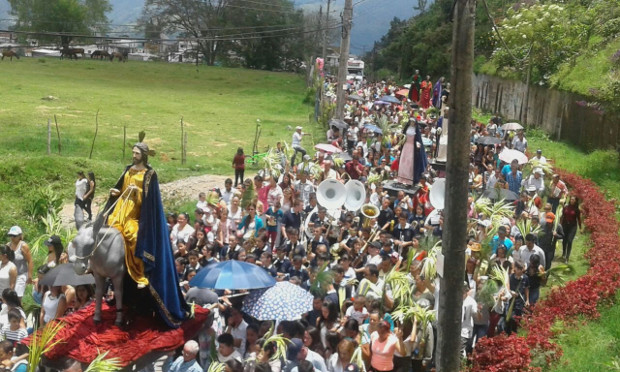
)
(297, 149)
(567, 243)
(534, 294)
(238, 176)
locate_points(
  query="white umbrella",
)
(508, 155)
(512, 126)
(326, 147)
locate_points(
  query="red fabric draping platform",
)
(83, 340)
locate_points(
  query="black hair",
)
(10, 298)
(253, 326)
(338, 268)
(6, 346)
(305, 366)
(530, 237)
(262, 367)
(373, 270)
(192, 254)
(15, 314)
(352, 325)
(234, 365)
(226, 339)
(8, 252)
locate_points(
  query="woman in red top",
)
(571, 218)
(238, 164)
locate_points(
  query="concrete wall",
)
(563, 115)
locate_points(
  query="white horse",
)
(102, 249)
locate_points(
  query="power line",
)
(216, 38)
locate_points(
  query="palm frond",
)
(399, 283)
(216, 367)
(525, 227)
(559, 274)
(101, 364)
(212, 198)
(272, 163)
(429, 266)
(414, 311)
(248, 195)
(41, 342)
(281, 343)
(322, 280)
(486, 295)
(358, 359)
(373, 178)
(500, 275)
(338, 162)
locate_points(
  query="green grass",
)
(589, 73)
(219, 107)
(595, 345)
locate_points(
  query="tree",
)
(201, 20)
(52, 20)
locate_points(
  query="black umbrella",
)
(65, 275)
(499, 194)
(340, 124)
(488, 140)
(356, 97)
(390, 99)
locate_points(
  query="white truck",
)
(355, 69)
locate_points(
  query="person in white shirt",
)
(530, 248)
(237, 327)
(358, 310)
(470, 310)
(228, 192)
(541, 159)
(519, 143)
(535, 182)
(202, 202)
(226, 350)
(296, 144)
(81, 188)
(303, 188)
(181, 231)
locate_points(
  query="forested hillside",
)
(573, 45)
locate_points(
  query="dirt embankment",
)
(186, 188)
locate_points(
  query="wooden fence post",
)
(58, 132)
(182, 142)
(124, 141)
(49, 136)
(95, 137)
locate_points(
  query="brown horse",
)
(100, 54)
(120, 56)
(71, 52)
(9, 53)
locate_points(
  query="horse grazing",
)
(120, 56)
(71, 52)
(9, 53)
(100, 54)
(102, 249)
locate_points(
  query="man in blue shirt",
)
(186, 362)
(501, 238)
(514, 178)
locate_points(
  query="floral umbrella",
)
(284, 301)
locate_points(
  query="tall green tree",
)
(60, 20)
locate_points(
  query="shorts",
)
(20, 284)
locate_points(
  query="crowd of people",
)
(346, 259)
(275, 221)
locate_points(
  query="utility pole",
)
(455, 214)
(344, 57)
(325, 31)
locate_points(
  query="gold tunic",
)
(125, 218)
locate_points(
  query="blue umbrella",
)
(381, 103)
(283, 301)
(373, 128)
(390, 99)
(232, 275)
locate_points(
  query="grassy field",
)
(219, 106)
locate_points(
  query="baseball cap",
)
(294, 348)
(306, 157)
(394, 256)
(550, 217)
(14, 231)
(539, 151)
(298, 128)
(53, 240)
(376, 244)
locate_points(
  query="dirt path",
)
(186, 188)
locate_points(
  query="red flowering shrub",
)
(502, 354)
(580, 297)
